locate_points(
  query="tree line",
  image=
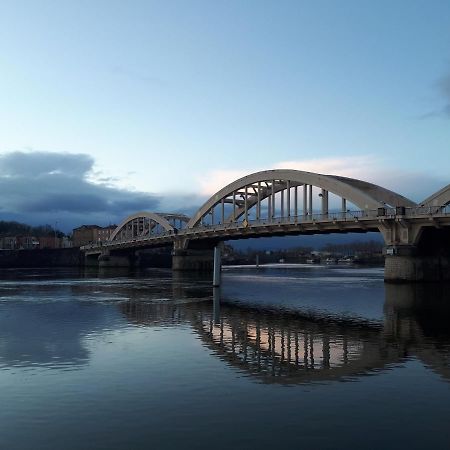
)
(12, 228)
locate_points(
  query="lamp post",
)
(56, 224)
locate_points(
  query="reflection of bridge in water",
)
(292, 202)
(294, 349)
(289, 347)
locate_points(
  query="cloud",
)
(344, 166)
(374, 170)
(443, 88)
(44, 187)
(136, 75)
(348, 166)
(21, 164)
(215, 180)
(414, 185)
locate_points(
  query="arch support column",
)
(217, 275)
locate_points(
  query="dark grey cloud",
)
(44, 187)
(443, 88)
(39, 164)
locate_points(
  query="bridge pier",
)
(404, 265)
(404, 268)
(114, 261)
(91, 260)
(217, 265)
(426, 258)
(192, 260)
(108, 259)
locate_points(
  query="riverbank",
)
(59, 257)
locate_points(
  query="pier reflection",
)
(416, 320)
(292, 347)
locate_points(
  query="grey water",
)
(307, 357)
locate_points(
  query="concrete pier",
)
(424, 257)
(192, 260)
(217, 272)
(91, 260)
(407, 269)
(115, 261)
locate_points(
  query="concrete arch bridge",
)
(292, 202)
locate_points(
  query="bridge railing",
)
(427, 211)
(128, 240)
(299, 219)
(164, 233)
(386, 212)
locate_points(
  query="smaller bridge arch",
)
(145, 224)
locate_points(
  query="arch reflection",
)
(291, 348)
(274, 346)
(416, 319)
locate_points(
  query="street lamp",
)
(56, 224)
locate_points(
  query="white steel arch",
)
(383, 195)
(250, 190)
(440, 198)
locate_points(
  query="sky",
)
(109, 107)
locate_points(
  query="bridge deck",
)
(342, 222)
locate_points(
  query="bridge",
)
(292, 202)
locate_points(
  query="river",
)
(283, 356)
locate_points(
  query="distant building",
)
(66, 242)
(28, 242)
(18, 242)
(32, 242)
(8, 243)
(91, 234)
(86, 234)
(49, 242)
(105, 233)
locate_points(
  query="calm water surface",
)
(283, 357)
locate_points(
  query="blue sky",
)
(169, 100)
